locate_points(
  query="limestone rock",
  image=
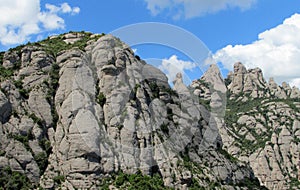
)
(5, 108)
(276, 90)
(22, 159)
(10, 59)
(295, 92)
(270, 157)
(71, 38)
(75, 117)
(40, 106)
(213, 76)
(251, 82)
(247, 81)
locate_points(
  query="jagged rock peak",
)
(284, 91)
(295, 92)
(272, 81)
(246, 81)
(214, 77)
(252, 82)
(239, 68)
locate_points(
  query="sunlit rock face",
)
(79, 108)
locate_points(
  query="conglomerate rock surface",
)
(79, 108)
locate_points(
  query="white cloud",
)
(22, 18)
(194, 8)
(75, 10)
(276, 52)
(295, 82)
(156, 6)
(173, 65)
(65, 8)
(134, 50)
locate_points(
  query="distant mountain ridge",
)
(81, 111)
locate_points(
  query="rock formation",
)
(251, 83)
(262, 126)
(81, 111)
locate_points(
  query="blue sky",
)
(259, 33)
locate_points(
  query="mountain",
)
(261, 123)
(81, 111)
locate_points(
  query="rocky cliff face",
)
(265, 128)
(80, 111)
(261, 124)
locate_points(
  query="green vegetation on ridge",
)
(10, 180)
